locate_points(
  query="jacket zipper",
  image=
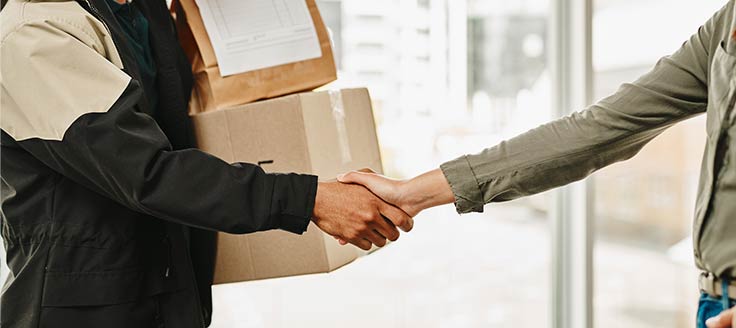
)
(97, 15)
(158, 318)
(167, 272)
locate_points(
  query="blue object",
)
(709, 306)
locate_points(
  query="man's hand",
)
(727, 319)
(354, 214)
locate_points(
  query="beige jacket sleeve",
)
(612, 130)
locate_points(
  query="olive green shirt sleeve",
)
(612, 130)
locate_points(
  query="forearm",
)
(123, 155)
(550, 156)
(427, 190)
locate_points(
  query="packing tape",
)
(338, 113)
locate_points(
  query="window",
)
(644, 271)
(447, 77)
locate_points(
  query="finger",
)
(367, 170)
(340, 240)
(723, 320)
(386, 228)
(375, 238)
(398, 217)
(361, 243)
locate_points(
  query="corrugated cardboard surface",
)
(216, 92)
(296, 133)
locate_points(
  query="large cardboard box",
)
(322, 133)
(213, 91)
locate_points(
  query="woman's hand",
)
(392, 191)
(411, 196)
(414, 195)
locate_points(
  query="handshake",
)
(365, 209)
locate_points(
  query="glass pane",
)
(447, 77)
(644, 271)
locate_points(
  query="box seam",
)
(311, 169)
(229, 137)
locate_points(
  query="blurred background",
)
(453, 77)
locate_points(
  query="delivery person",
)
(107, 212)
(698, 78)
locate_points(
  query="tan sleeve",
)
(49, 77)
(612, 130)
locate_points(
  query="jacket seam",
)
(95, 273)
(26, 21)
(19, 25)
(52, 204)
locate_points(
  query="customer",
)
(698, 78)
(108, 212)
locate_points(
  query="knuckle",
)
(373, 202)
(366, 216)
(376, 217)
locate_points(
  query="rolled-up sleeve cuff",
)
(465, 187)
(302, 190)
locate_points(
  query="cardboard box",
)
(322, 133)
(216, 92)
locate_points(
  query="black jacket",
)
(108, 213)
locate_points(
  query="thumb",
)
(362, 178)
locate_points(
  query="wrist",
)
(412, 199)
(318, 200)
(427, 190)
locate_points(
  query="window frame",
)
(570, 62)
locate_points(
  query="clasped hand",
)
(353, 214)
(364, 208)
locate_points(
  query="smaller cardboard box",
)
(213, 91)
(321, 133)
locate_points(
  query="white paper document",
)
(253, 34)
